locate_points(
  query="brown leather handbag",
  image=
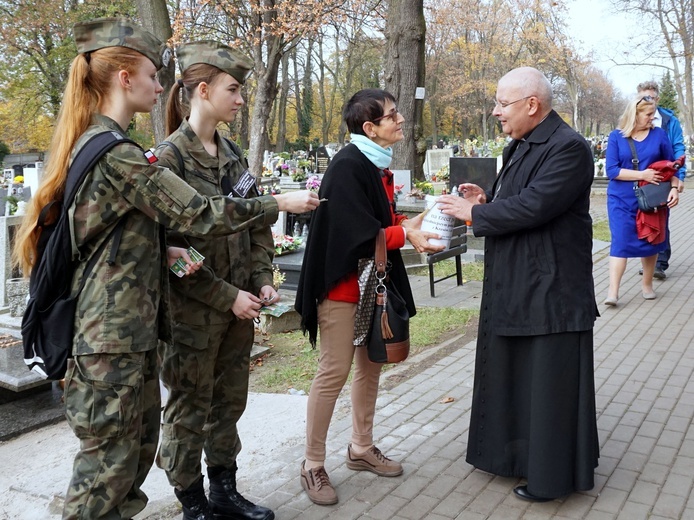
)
(389, 337)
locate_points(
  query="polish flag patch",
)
(151, 158)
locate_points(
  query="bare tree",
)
(675, 19)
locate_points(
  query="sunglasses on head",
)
(647, 99)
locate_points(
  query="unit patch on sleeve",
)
(244, 185)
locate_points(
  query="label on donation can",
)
(437, 222)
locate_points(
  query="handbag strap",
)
(634, 157)
(381, 254)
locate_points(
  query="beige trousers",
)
(336, 325)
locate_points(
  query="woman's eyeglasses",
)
(647, 99)
(393, 115)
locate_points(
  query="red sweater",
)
(348, 289)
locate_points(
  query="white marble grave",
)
(435, 160)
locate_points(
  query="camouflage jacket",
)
(239, 261)
(122, 307)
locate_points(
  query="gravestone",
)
(435, 160)
(8, 226)
(476, 170)
(322, 159)
(290, 265)
(403, 177)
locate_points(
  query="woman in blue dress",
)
(652, 144)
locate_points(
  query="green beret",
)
(231, 61)
(120, 32)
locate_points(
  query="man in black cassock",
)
(533, 404)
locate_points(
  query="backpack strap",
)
(177, 153)
(237, 150)
(90, 154)
(116, 233)
(226, 181)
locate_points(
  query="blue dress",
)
(621, 201)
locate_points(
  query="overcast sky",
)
(594, 26)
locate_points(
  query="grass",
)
(292, 363)
(471, 270)
(601, 230)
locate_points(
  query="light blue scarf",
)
(381, 157)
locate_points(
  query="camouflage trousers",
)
(206, 374)
(113, 405)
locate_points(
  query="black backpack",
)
(48, 322)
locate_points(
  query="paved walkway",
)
(644, 361)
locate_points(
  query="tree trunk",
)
(325, 109)
(297, 93)
(307, 94)
(404, 72)
(155, 18)
(282, 109)
(265, 94)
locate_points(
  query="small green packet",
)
(179, 266)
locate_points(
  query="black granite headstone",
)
(476, 170)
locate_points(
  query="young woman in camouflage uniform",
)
(111, 387)
(206, 368)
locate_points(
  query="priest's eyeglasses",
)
(502, 104)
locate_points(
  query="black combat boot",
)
(194, 501)
(226, 503)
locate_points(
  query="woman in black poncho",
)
(359, 190)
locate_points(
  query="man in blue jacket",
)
(666, 120)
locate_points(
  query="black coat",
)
(533, 402)
(538, 248)
(343, 230)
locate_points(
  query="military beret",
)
(231, 61)
(120, 32)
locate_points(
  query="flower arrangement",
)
(278, 277)
(299, 175)
(304, 163)
(443, 174)
(286, 244)
(398, 191)
(313, 183)
(601, 165)
(416, 194)
(19, 179)
(269, 190)
(424, 187)
(13, 201)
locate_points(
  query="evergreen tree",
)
(4, 150)
(668, 94)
